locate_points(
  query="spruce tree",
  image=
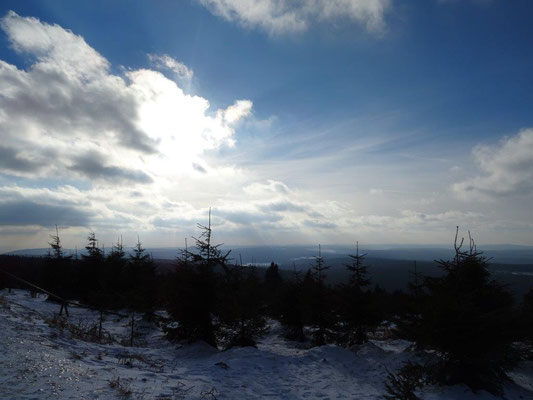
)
(242, 307)
(94, 253)
(92, 273)
(409, 306)
(321, 305)
(293, 306)
(116, 274)
(191, 301)
(357, 269)
(526, 318)
(194, 301)
(468, 318)
(273, 287)
(272, 277)
(355, 300)
(57, 274)
(416, 284)
(55, 245)
(141, 291)
(207, 255)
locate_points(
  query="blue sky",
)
(297, 122)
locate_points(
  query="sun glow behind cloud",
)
(138, 140)
(180, 124)
(70, 89)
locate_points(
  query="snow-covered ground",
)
(41, 362)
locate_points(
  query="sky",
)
(296, 122)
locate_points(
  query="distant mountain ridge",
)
(285, 256)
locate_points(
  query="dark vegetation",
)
(471, 324)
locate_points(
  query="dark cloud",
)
(20, 213)
(247, 217)
(319, 224)
(10, 160)
(280, 206)
(93, 166)
(289, 206)
(174, 223)
(199, 168)
(50, 99)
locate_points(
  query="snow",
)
(41, 362)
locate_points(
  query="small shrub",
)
(128, 360)
(180, 391)
(124, 390)
(76, 356)
(402, 386)
(209, 394)
(82, 330)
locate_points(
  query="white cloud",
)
(165, 61)
(507, 168)
(68, 107)
(55, 48)
(291, 16)
(236, 112)
(268, 189)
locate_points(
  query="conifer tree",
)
(320, 268)
(272, 277)
(355, 306)
(526, 318)
(416, 284)
(468, 318)
(358, 270)
(242, 310)
(94, 253)
(207, 255)
(139, 256)
(321, 306)
(141, 291)
(57, 269)
(92, 272)
(193, 303)
(117, 251)
(413, 301)
(55, 245)
(116, 274)
(292, 307)
(309, 280)
(273, 286)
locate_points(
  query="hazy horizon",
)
(286, 255)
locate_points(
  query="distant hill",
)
(285, 256)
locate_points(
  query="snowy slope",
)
(40, 362)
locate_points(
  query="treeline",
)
(472, 325)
